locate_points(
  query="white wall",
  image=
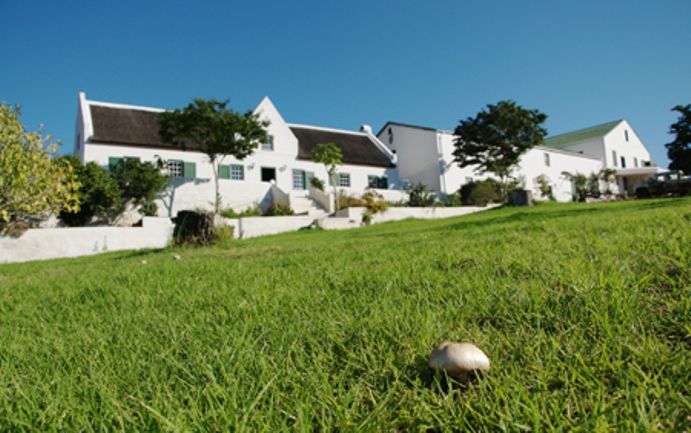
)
(532, 165)
(41, 244)
(416, 153)
(261, 226)
(616, 141)
(401, 213)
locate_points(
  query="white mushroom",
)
(143, 262)
(176, 257)
(460, 360)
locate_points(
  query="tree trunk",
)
(217, 201)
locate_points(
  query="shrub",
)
(100, 195)
(149, 208)
(480, 193)
(545, 187)
(345, 201)
(418, 196)
(453, 199)
(223, 233)
(193, 227)
(139, 181)
(277, 209)
(375, 204)
(317, 183)
(251, 211)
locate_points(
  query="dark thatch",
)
(358, 149)
(132, 127)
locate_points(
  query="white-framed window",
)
(269, 145)
(175, 168)
(237, 172)
(547, 162)
(344, 180)
(298, 179)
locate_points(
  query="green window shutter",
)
(190, 170)
(114, 162)
(224, 172)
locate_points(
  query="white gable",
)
(285, 142)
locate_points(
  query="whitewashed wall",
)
(416, 153)
(532, 165)
(41, 244)
(401, 213)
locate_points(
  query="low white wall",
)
(40, 244)
(401, 213)
(251, 227)
(392, 194)
(189, 194)
(324, 199)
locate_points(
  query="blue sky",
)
(345, 63)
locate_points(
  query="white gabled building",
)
(617, 146)
(426, 155)
(277, 171)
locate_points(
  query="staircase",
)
(304, 205)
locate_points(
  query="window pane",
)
(175, 168)
(372, 181)
(298, 179)
(237, 172)
(269, 145)
(344, 180)
(547, 159)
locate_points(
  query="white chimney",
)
(366, 128)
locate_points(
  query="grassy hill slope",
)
(583, 310)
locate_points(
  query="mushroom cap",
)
(458, 359)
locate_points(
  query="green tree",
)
(32, 183)
(495, 139)
(140, 182)
(214, 129)
(679, 150)
(99, 194)
(331, 156)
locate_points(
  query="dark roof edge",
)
(406, 125)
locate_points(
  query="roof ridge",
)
(613, 122)
(324, 128)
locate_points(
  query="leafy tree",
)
(32, 183)
(99, 194)
(495, 139)
(331, 156)
(140, 182)
(679, 150)
(213, 128)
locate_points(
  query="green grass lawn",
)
(583, 309)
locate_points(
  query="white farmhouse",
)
(617, 146)
(426, 155)
(278, 171)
